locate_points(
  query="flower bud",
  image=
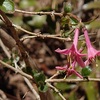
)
(67, 7)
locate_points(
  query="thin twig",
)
(28, 32)
(56, 90)
(16, 70)
(51, 13)
(56, 74)
(42, 35)
(39, 13)
(73, 80)
(27, 37)
(48, 36)
(32, 88)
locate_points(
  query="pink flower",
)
(92, 52)
(73, 52)
(69, 70)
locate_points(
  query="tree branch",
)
(41, 35)
(16, 70)
(14, 34)
(73, 80)
(39, 13)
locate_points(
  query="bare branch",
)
(41, 35)
(56, 74)
(16, 70)
(73, 80)
(32, 88)
(52, 13)
(39, 13)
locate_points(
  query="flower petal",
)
(80, 61)
(77, 74)
(61, 68)
(64, 51)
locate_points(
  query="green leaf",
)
(43, 88)
(39, 77)
(7, 6)
(86, 71)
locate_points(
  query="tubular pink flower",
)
(69, 70)
(92, 52)
(73, 52)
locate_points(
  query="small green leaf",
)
(86, 71)
(39, 77)
(43, 88)
(7, 6)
